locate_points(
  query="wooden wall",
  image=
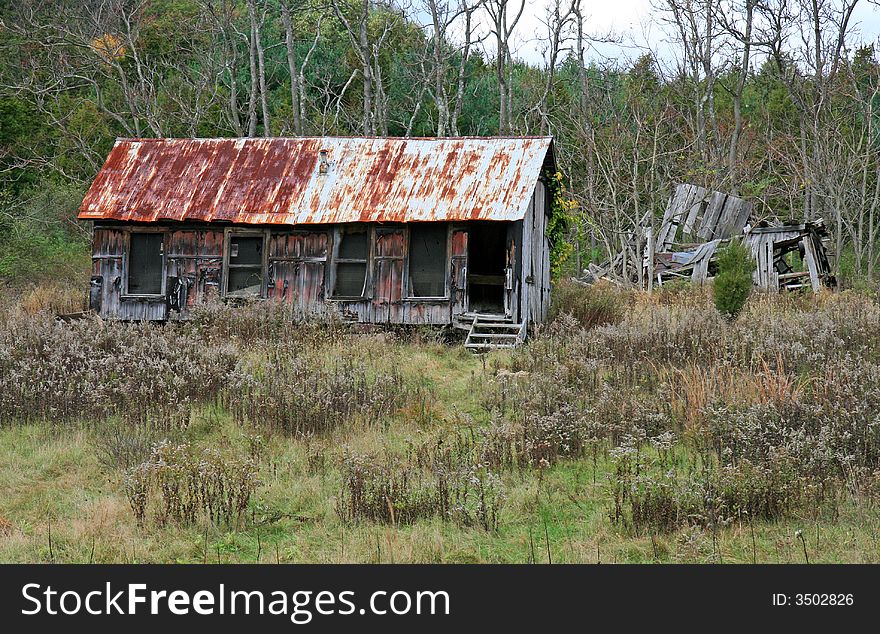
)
(297, 273)
(535, 275)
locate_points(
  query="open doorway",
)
(487, 242)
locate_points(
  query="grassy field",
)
(630, 429)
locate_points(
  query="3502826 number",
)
(823, 599)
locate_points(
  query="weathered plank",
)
(810, 262)
(701, 259)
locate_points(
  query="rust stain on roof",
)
(278, 180)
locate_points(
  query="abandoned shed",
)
(380, 230)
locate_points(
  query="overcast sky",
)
(632, 24)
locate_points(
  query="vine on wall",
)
(562, 218)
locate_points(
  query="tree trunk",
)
(369, 123)
(261, 67)
(292, 70)
(252, 99)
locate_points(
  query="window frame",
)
(229, 234)
(126, 270)
(338, 232)
(408, 296)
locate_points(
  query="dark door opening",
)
(487, 242)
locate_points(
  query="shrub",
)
(651, 495)
(295, 395)
(733, 283)
(89, 370)
(122, 446)
(37, 242)
(590, 306)
(268, 322)
(387, 489)
(393, 489)
(536, 442)
(184, 485)
(53, 299)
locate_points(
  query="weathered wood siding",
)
(108, 256)
(388, 262)
(768, 246)
(296, 274)
(696, 214)
(296, 269)
(535, 276)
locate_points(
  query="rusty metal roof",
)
(280, 181)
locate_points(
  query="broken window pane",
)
(245, 281)
(145, 264)
(427, 260)
(245, 273)
(350, 279)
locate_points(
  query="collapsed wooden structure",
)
(376, 230)
(771, 247)
(697, 222)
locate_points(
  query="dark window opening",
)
(487, 242)
(145, 264)
(350, 278)
(245, 273)
(427, 260)
(353, 246)
(351, 264)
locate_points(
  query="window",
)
(351, 263)
(427, 260)
(145, 258)
(244, 275)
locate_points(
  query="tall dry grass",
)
(677, 417)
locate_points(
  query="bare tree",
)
(469, 40)
(446, 18)
(503, 27)
(256, 47)
(558, 19)
(355, 19)
(92, 47)
(441, 18)
(738, 21)
(297, 71)
(807, 42)
(697, 31)
(222, 15)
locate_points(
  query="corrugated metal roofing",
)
(279, 180)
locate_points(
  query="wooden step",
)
(475, 347)
(492, 333)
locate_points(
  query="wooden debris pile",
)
(696, 223)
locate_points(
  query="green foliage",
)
(18, 126)
(733, 283)
(38, 239)
(561, 220)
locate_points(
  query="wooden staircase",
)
(488, 332)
